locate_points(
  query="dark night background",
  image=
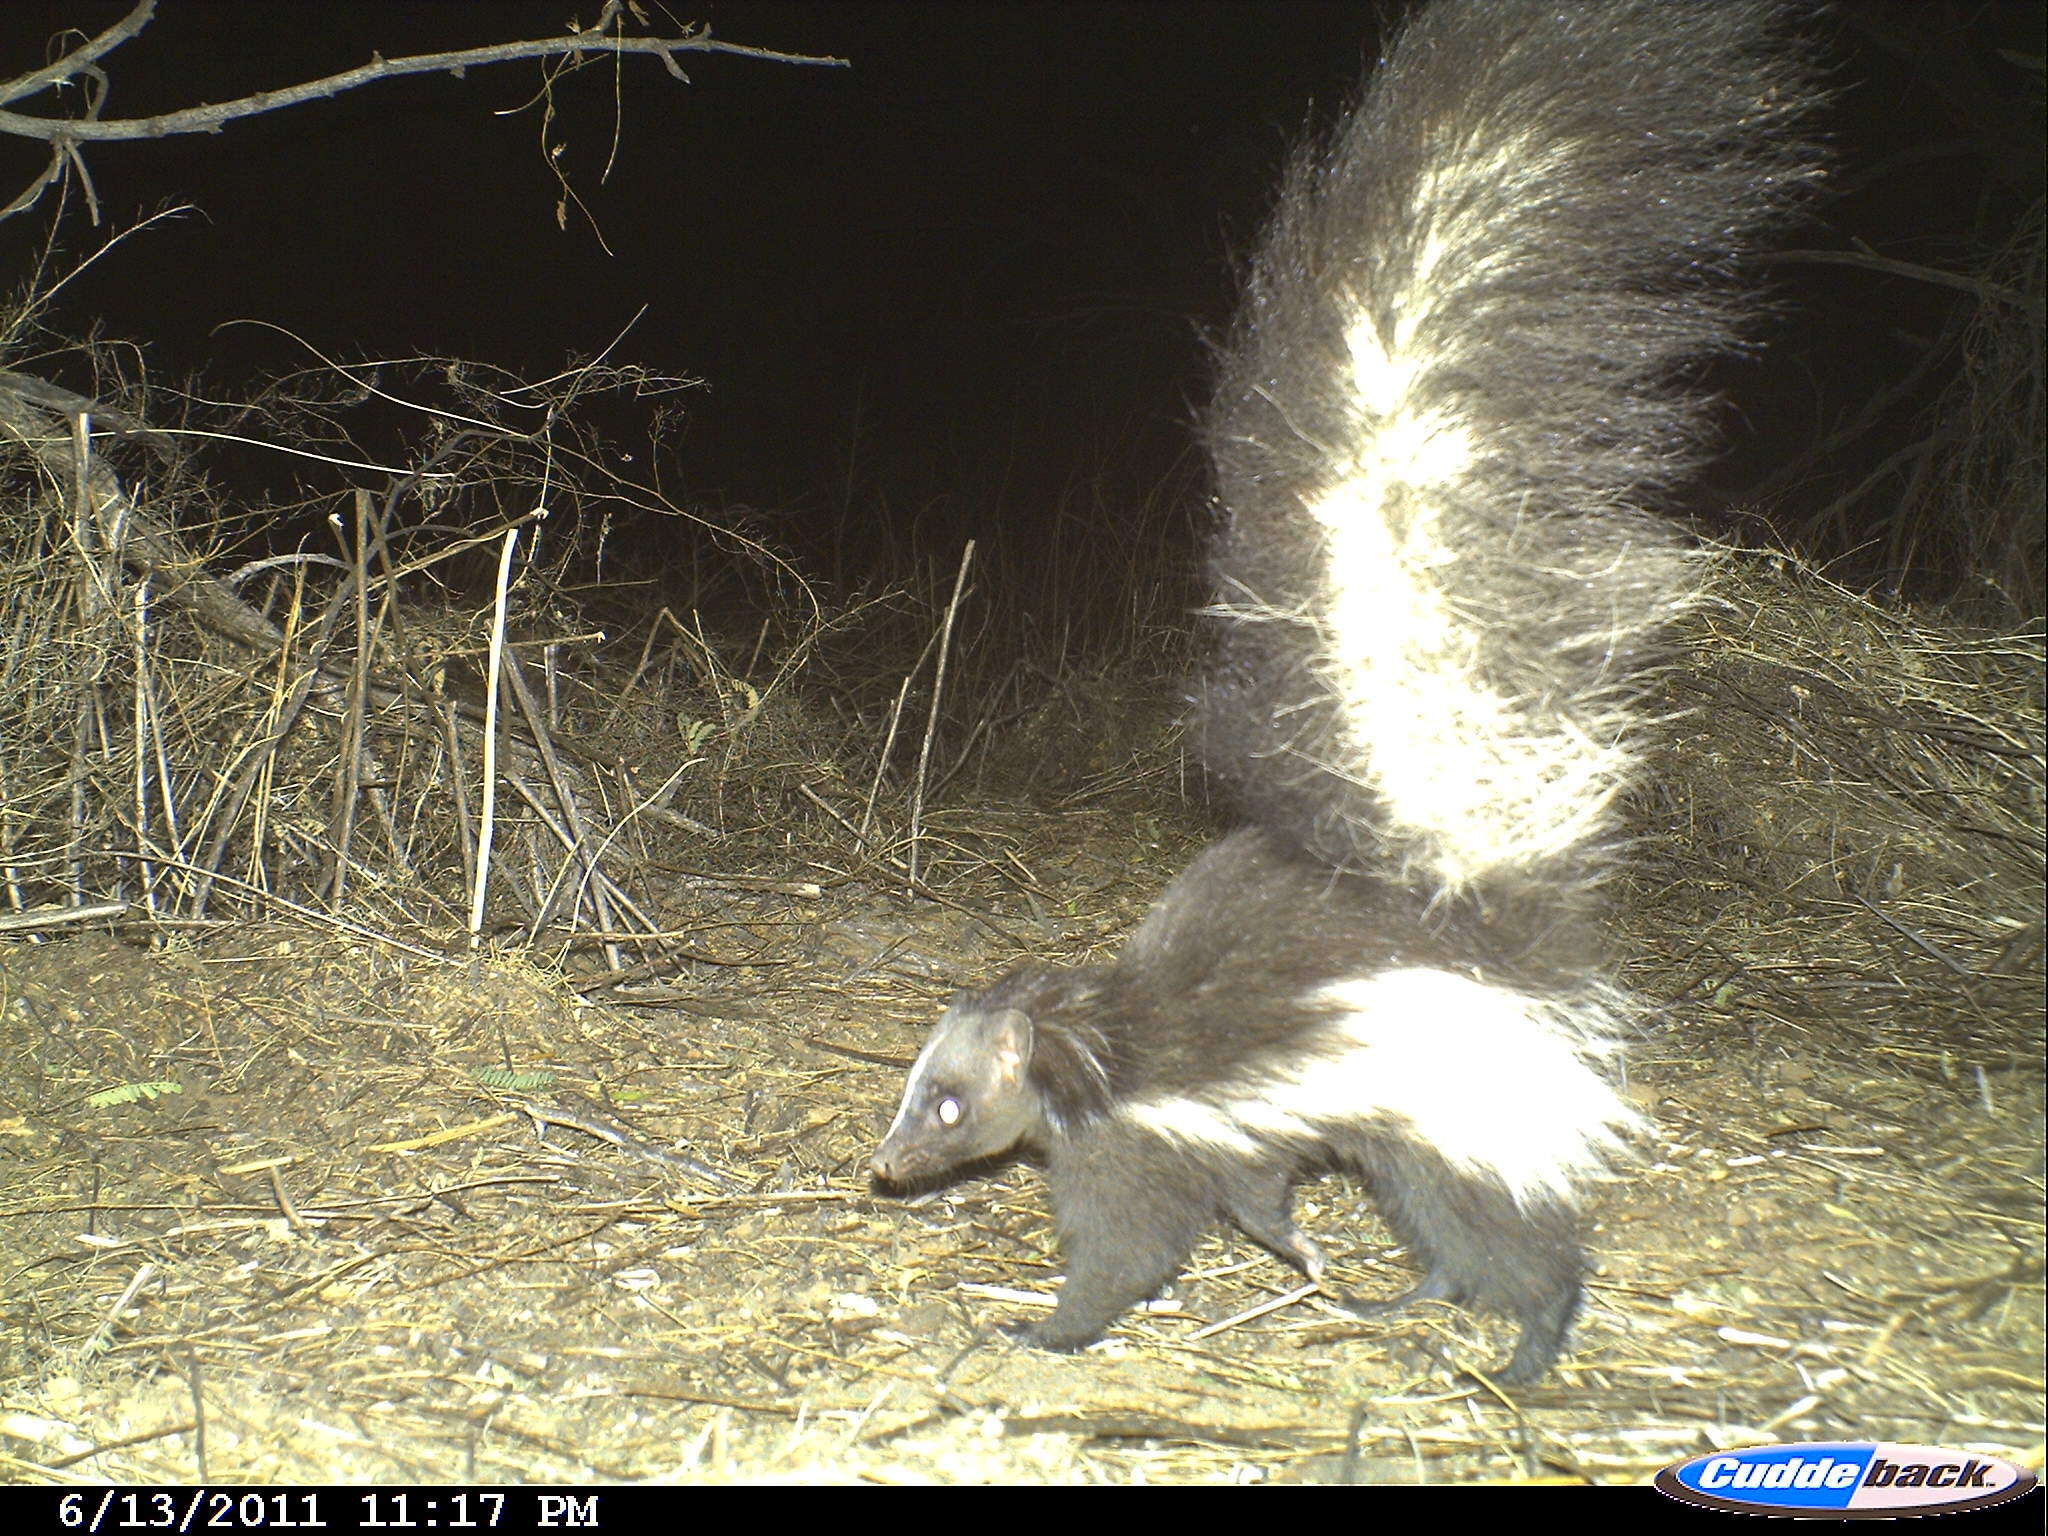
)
(931, 293)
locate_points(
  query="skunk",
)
(1457, 385)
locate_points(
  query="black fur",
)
(1532, 219)
(1210, 990)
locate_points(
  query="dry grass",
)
(309, 1174)
(418, 1219)
(429, 727)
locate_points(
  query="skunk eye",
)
(950, 1113)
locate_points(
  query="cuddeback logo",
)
(1845, 1480)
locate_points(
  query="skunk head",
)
(969, 1096)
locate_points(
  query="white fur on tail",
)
(1485, 778)
(1463, 378)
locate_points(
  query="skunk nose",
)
(888, 1164)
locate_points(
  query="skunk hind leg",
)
(1261, 1203)
(1437, 1285)
(1545, 1321)
(1483, 1248)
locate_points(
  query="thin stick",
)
(144, 727)
(458, 770)
(580, 851)
(895, 722)
(931, 723)
(867, 815)
(89, 601)
(98, 1341)
(490, 812)
(348, 782)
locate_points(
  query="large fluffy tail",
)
(1458, 380)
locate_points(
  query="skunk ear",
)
(1003, 1039)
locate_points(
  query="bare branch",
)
(33, 192)
(80, 59)
(65, 134)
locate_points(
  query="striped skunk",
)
(1457, 381)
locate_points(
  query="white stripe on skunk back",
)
(1458, 383)
(1457, 376)
(1540, 1118)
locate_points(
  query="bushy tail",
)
(1457, 383)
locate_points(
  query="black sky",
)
(1000, 224)
(974, 263)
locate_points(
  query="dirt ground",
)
(294, 1204)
